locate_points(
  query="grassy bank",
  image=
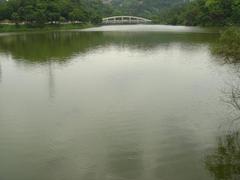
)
(50, 27)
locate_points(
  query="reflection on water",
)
(51, 82)
(224, 162)
(42, 47)
(112, 105)
(0, 72)
(232, 94)
(62, 46)
(152, 28)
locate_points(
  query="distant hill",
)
(141, 7)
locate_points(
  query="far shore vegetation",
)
(173, 12)
(201, 13)
(27, 15)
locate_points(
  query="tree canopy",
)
(185, 12)
(42, 11)
(204, 12)
(144, 8)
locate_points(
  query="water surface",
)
(112, 103)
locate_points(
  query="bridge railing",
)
(125, 20)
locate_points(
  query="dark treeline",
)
(204, 13)
(184, 12)
(145, 8)
(40, 12)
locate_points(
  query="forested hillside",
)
(42, 11)
(144, 8)
(184, 12)
(204, 13)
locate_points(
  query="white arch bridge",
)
(125, 20)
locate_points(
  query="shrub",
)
(229, 45)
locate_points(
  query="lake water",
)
(140, 102)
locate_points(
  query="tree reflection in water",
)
(224, 162)
(232, 96)
(0, 72)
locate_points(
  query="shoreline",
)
(7, 28)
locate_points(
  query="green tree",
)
(15, 17)
(236, 11)
(53, 11)
(229, 45)
(96, 19)
(77, 15)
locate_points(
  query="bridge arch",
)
(125, 20)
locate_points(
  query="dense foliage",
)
(51, 11)
(185, 12)
(229, 45)
(146, 8)
(204, 12)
